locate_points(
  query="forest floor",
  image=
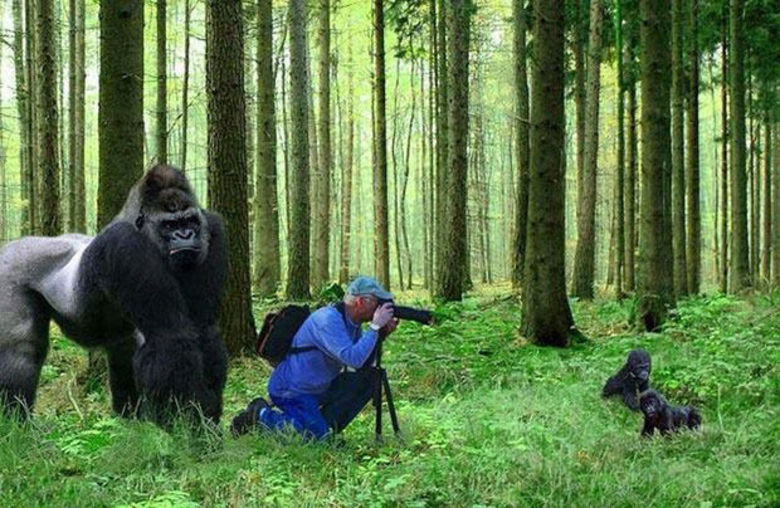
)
(487, 419)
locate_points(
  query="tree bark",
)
(266, 224)
(120, 115)
(724, 239)
(656, 289)
(452, 273)
(76, 77)
(631, 167)
(298, 243)
(227, 169)
(322, 181)
(547, 317)
(346, 184)
(521, 142)
(620, 173)
(22, 110)
(48, 133)
(678, 152)
(693, 242)
(32, 175)
(162, 85)
(185, 87)
(442, 134)
(381, 233)
(740, 270)
(584, 257)
(767, 233)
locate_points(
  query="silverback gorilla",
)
(632, 379)
(146, 289)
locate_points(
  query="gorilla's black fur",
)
(664, 417)
(632, 379)
(146, 289)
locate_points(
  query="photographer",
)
(310, 387)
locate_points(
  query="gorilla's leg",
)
(24, 342)
(124, 395)
(215, 371)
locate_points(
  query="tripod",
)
(381, 383)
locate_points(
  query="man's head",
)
(363, 296)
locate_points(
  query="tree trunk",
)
(656, 289)
(33, 172)
(767, 233)
(521, 142)
(580, 42)
(185, 87)
(120, 114)
(442, 257)
(394, 163)
(322, 181)
(381, 233)
(776, 211)
(693, 242)
(76, 78)
(48, 136)
(227, 170)
(3, 183)
(619, 179)
(266, 224)
(740, 270)
(724, 239)
(584, 257)
(631, 166)
(678, 152)
(22, 106)
(162, 84)
(405, 182)
(452, 273)
(346, 184)
(298, 243)
(547, 318)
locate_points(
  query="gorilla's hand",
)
(170, 369)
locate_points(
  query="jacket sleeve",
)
(331, 336)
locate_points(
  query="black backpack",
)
(275, 339)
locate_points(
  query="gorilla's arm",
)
(648, 428)
(630, 395)
(613, 385)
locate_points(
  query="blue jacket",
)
(339, 342)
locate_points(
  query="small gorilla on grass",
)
(664, 417)
(631, 380)
(146, 289)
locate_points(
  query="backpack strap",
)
(295, 350)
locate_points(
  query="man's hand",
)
(391, 326)
(382, 315)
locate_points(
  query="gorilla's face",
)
(652, 405)
(639, 365)
(180, 235)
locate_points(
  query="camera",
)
(422, 316)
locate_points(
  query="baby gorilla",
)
(632, 379)
(664, 417)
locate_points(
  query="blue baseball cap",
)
(363, 285)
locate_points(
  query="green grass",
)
(488, 419)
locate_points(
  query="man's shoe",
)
(247, 419)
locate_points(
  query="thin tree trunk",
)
(267, 266)
(547, 317)
(185, 106)
(405, 184)
(77, 203)
(767, 233)
(521, 142)
(724, 239)
(740, 269)
(48, 137)
(693, 242)
(22, 108)
(656, 287)
(631, 167)
(394, 162)
(162, 85)
(322, 182)
(32, 174)
(298, 245)
(776, 193)
(619, 180)
(678, 152)
(580, 41)
(584, 257)
(442, 135)
(381, 233)
(346, 184)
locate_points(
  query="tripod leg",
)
(390, 405)
(378, 403)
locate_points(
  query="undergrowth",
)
(487, 419)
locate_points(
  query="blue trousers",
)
(318, 415)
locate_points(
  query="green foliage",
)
(488, 419)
